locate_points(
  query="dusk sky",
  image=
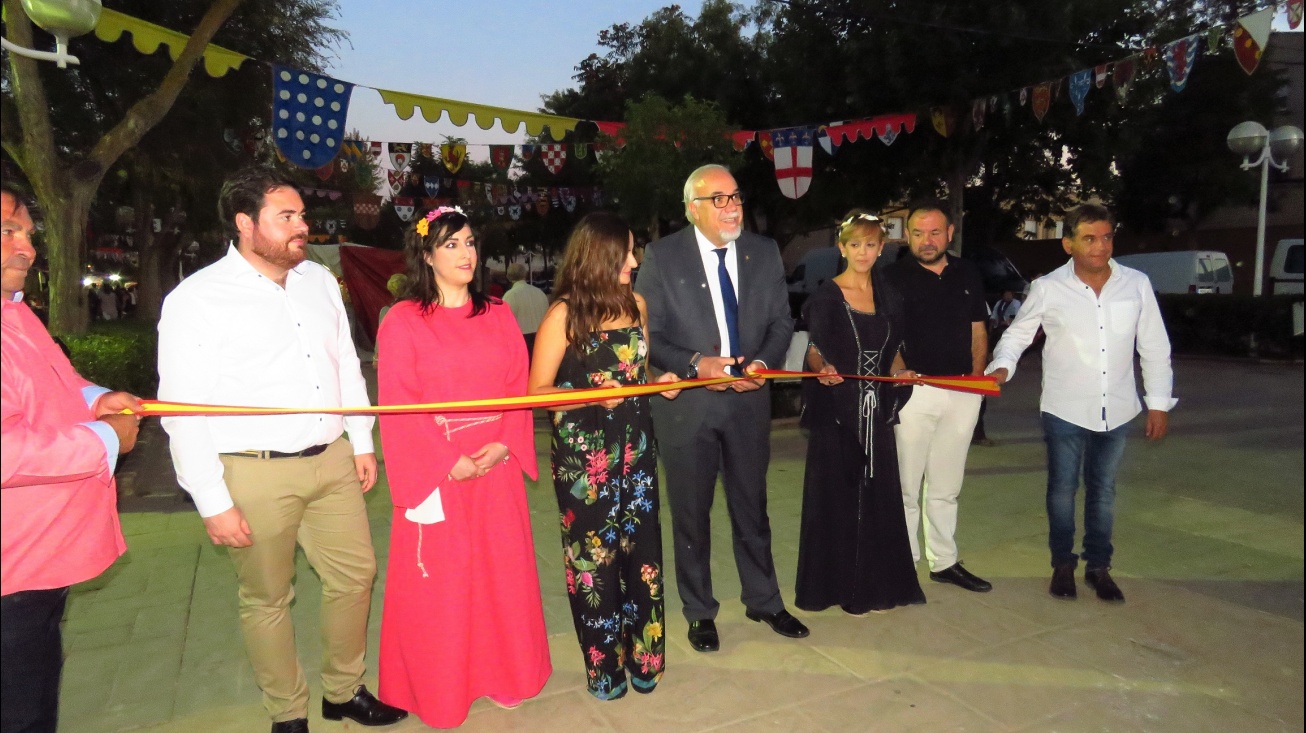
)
(494, 52)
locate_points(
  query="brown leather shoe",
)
(1063, 583)
(1100, 580)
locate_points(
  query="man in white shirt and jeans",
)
(1095, 313)
(261, 327)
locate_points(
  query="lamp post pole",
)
(1258, 284)
(1249, 139)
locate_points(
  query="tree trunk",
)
(65, 238)
(957, 202)
(149, 292)
(66, 183)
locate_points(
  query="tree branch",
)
(147, 112)
(39, 161)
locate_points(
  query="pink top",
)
(58, 508)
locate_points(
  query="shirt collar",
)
(236, 263)
(705, 246)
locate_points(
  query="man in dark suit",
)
(717, 301)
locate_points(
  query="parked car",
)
(1194, 272)
(1286, 268)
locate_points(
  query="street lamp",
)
(1273, 149)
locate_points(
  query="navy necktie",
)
(729, 300)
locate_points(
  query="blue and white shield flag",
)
(308, 115)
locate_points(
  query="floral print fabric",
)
(605, 477)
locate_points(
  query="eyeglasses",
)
(721, 199)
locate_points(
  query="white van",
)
(1286, 268)
(1191, 272)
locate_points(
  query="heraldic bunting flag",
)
(308, 114)
(793, 159)
(1250, 38)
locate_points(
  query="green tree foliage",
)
(160, 137)
(793, 62)
(664, 142)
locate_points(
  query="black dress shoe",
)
(782, 623)
(364, 709)
(959, 576)
(703, 636)
(1100, 580)
(1063, 583)
(298, 725)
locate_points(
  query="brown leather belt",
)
(266, 454)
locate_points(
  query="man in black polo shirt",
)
(946, 321)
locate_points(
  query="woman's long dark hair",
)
(421, 277)
(589, 277)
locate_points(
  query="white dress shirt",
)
(230, 336)
(711, 264)
(1088, 361)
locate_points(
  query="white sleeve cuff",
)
(92, 393)
(1007, 364)
(1163, 404)
(108, 437)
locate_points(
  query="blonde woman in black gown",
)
(853, 548)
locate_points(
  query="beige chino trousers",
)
(316, 502)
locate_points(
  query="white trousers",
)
(933, 433)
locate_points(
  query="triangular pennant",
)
(554, 156)
(1122, 75)
(400, 155)
(1180, 56)
(432, 185)
(944, 120)
(453, 155)
(396, 180)
(324, 173)
(1042, 99)
(827, 143)
(404, 208)
(527, 152)
(1099, 74)
(1080, 83)
(793, 160)
(514, 211)
(1214, 36)
(501, 156)
(308, 115)
(489, 193)
(1250, 38)
(580, 150)
(374, 151)
(741, 139)
(1295, 13)
(765, 142)
(1024, 96)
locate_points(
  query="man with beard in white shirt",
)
(1096, 314)
(261, 327)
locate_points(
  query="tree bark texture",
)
(66, 188)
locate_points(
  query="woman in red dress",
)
(462, 617)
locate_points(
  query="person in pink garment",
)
(61, 439)
(463, 617)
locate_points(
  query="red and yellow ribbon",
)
(156, 408)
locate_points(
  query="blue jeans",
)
(1071, 447)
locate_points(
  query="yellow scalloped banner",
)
(485, 115)
(146, 37)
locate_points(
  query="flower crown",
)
(868, 217)
(424, 224)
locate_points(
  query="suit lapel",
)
(696, 275)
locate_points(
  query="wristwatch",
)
(692, 371)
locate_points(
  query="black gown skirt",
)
(853, 549)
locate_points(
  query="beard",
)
(929, 259)
(281, 255)
(730, 235)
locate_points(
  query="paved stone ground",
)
(1209, 551)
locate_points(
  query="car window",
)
(1222, 272)
(1292, 263)
(1204, 274)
